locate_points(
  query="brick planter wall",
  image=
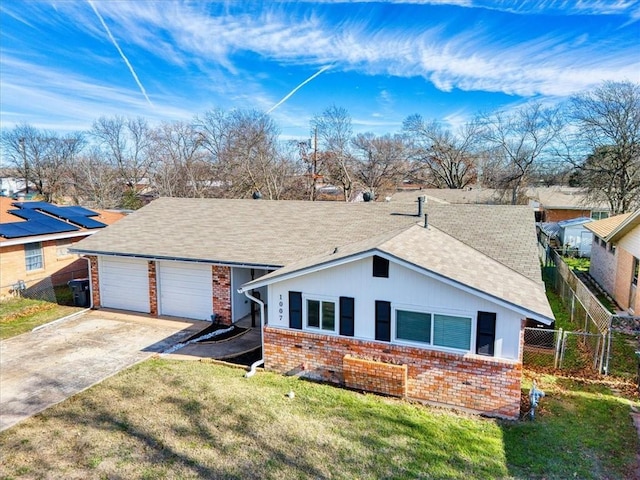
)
(484, 385)
(221, 277)
(373, 376)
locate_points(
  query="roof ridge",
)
(481, 253)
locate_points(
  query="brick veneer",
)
(375, 376)
(95, 283)
(480, 384)
(153, 288)
(221, 277)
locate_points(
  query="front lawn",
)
(169, 419)
(20, 315)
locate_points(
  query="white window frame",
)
(433, 313)
(305, 312)
(30, 256)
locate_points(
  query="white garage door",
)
(185, 290)
(124, 283)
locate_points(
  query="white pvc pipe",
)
(257, 363)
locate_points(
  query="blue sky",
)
(65, 63)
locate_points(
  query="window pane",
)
(450, 331)
(313, 313)
(328, 316)
(413, 326)
(33, 256)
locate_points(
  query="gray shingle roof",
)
(433, 250)
(277, 233)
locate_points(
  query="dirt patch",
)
(27, 311)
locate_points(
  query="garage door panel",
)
(185, 290)
(124, 284)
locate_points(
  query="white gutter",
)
(46, 238)
(257, 363)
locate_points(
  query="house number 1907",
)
(280, 304)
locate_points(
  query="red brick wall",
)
(221, 277)
(153, 288)
(374, 376)
(480, 384)
(95, 284)
(558, 215)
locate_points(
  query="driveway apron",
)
(39, 369)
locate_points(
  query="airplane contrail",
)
(115, 44)
(288, 95)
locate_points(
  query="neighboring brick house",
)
(615, 258)
(363, 295)
(34, 245)
(559, 203)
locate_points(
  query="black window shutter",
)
(295, 310)
(346, 316)
(383, 320)
(380, 267)
(486, 333)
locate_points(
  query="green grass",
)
(624, 362)
(20, 315)
(577, 263)
(170, 419)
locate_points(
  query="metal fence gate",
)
(561, 349)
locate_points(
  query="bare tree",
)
(334, 133)
(242, 147)
(41, 157)
(604, 144)
(95, 182)
(519, 140)
(449, 158)
(125, 144)
(379, 162)
(180, 168)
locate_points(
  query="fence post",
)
(563, 349)
(557, 355)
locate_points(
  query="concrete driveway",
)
(41, 368)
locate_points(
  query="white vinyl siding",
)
(185, 290)
(410, 291)
(124, 283)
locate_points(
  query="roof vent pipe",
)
(421, 200)
(426, 220)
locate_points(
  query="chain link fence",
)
(593, 341)
(53, 288)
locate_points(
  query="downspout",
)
(257, 363)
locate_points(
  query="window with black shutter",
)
(383, 321)
(380, 267)
(295, 310)
(346, 316)
(486, 333)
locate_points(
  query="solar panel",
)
(86, 222)
(38, 223)
(81, 211)
(13, 230)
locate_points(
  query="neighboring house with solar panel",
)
(615, 258)
(361, 294)
(35, 238)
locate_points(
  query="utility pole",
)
(315, 162)
(26, 166)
